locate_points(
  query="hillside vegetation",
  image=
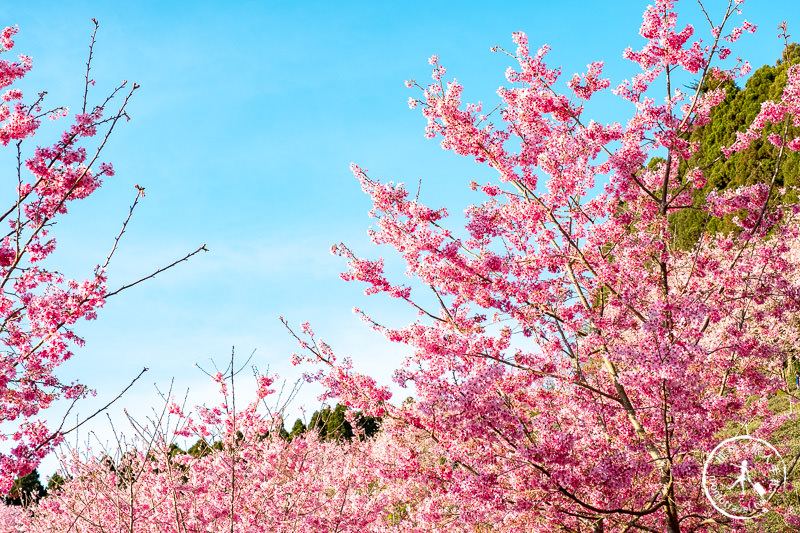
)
(754, 165)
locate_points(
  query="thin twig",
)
(58, 432)
(157, 272)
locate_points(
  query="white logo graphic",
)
(741, 475)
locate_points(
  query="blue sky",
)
(242, 133)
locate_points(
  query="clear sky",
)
(248, 117)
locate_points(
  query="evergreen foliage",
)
(297, 429)
(55, 482)
(754, 165)
(332, 424)
(26, 490)
(201, 448)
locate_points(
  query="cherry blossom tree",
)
(643, 352)
(38, 305)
